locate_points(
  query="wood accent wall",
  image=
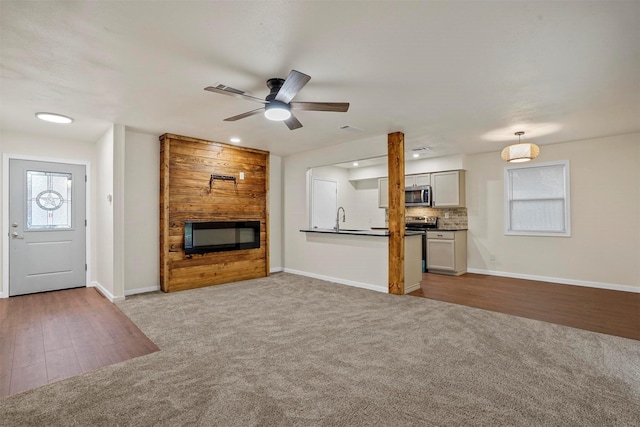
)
(186, 165)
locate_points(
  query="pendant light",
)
(520, 152)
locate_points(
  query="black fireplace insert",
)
(203, 237)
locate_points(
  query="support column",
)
(395, 149)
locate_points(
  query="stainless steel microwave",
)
(418, 195)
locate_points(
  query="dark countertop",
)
(447, 229)
(376, 232)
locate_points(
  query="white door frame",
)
(4, 286)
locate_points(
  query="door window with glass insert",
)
(48, 200)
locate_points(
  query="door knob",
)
(15, 235)
(14, 225)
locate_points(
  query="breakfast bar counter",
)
(361, 257)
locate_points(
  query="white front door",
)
(47, 227)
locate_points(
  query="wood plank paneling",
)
(186, 195)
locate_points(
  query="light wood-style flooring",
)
(49, 336)
(599, 310)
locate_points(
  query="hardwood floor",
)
(54, 335)
(599, 310)
(50, 336)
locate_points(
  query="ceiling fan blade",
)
(243, 115)
(338, 107)
(292, 85)
(293, 123)
(234, 92)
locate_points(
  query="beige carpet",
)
(289, 350)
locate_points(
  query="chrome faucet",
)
(344, 218)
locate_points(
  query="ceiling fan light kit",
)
(278, 105)
(277, 111)
(520, 152)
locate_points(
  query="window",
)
(537, 199)
(48, 200)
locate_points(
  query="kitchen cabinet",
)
(415, 180)
(447, 252)
(383, 192)
(448, 189)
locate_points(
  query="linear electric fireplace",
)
(203, 237)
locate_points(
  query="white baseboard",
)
(141, 290)
(2, 295)
(340, 281)
(276, 269)
(609, 286)
(108, 295)
(412, 288)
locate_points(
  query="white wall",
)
(275, 214)
(366, 210)
(603, 251)
(20, 144)
(124, 240)
(299, 254)
(604, 247)
(142, 213)
(346, 193)
(104, 274)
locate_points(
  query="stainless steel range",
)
(422, 223)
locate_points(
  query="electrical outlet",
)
(446, 215)
(492, 257)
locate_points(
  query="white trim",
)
(567, 200)
(108, 295)
(141, 290)
(588, 284)
(276, 269)
(340, 281)
(412, 288)
(4, 293)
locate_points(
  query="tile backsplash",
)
(457, 216)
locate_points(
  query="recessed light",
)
(235, 140)
(54, 118)
(355, 163)
(416, 155)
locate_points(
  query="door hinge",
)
(85, 267)
(85, 222)
(85, 178)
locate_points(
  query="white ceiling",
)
(459, 77)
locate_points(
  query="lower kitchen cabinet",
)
(447, 252)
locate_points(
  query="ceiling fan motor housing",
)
(274, 85)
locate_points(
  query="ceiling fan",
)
(278, 105)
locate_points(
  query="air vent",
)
(418, 149)
(351, 128)
(228, 88)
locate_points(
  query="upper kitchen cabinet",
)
(383, 192)
(415, 180)
(448, 189)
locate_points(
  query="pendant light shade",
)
(520, 152)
